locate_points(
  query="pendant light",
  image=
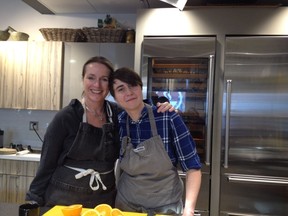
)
(180, 4)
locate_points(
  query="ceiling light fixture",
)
(180, 4)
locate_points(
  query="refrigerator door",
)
(254, 176)
(182, 70)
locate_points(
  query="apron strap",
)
(151, 120)
(127, 139)
(95, 176)
(109, 111)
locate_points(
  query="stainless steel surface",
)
(209, 109)
(257, 179)
(174, 71)
(255, 136)
(227, 122)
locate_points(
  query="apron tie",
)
(95, 176)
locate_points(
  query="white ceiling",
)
(131, 6)
(96, 6)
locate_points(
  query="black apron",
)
(149, 181)
(87, 175)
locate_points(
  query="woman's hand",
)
(163, 107)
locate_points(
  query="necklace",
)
(101, 117)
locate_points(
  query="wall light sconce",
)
(180, 4)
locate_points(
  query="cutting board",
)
(56, 211)
(6, 151)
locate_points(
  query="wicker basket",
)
(103, 35)
(63, 34)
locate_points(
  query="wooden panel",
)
(12, 74)
(16, 179)
(44, 75)
(3, 188)
(3, 166)
(31, 168)
(18, 167)
(12, 188)
(23, 185)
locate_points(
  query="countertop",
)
(9, 209)
(12, 209)
(25, 157)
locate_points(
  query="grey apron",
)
(87, 175)
(149, 181)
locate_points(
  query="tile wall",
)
(15, 124)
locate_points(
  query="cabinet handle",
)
(227, 123)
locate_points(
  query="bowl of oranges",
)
(72, 210)
(103, 210)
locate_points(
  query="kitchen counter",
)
(25, 157)
(11, 209)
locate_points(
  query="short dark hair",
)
(126, 75)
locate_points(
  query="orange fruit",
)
(116, 212)
(72, 210)
(104, 209)
(91, 212)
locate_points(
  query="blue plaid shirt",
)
(177, 139)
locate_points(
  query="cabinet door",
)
(12, 185)
(120, 54)
(17, 187)
(44, 75)
(3, 188)
(15, 179)
(13, 55)
(75, 55)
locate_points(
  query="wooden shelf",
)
(180, 76)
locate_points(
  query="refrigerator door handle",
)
(238, 214)
(209, 109)
(257, 179)
(227, 123)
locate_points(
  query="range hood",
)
(131, 6)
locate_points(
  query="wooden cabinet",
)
(15, 179)
(47, 75)
(76, 54)
(31, 75)
(13, 63)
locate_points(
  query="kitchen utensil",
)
(17, 36)
(29, 209)
(12, 34)
(23, 152)
(4, 34)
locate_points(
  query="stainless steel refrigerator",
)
(254, 175)
(182, 70)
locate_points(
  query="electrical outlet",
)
(33, 125)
